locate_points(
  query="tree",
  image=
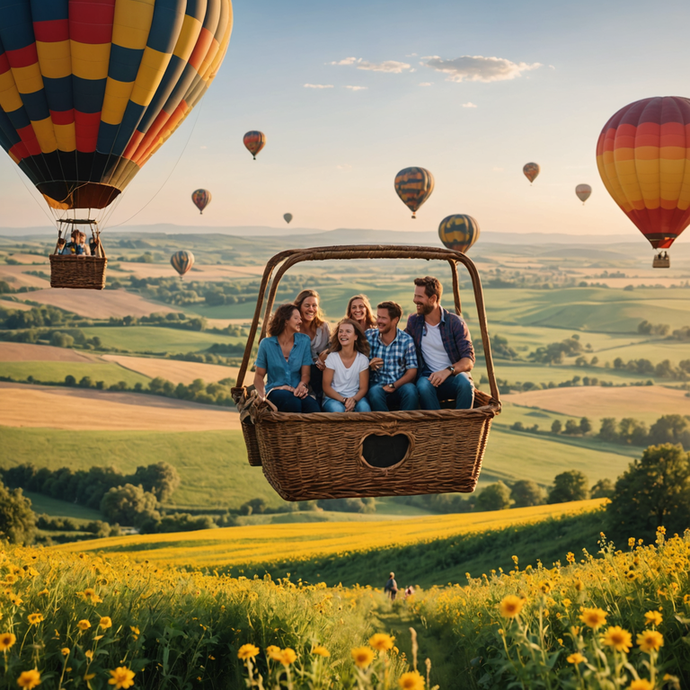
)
(603, 489)
(526, 493)
(671, 428)
(569, 486)
(17, 520)
(161, 479)
(572, 428)
(585, 426)
(632, 431)
(60, 339)
(556, 426)
(608, 431)
(653, 491)
(494, 497)
(129, 505)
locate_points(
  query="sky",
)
(350, 93)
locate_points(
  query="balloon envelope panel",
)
(531, 170)
(458, 232)
(414, 186)
(182, 261)
(89, 91)
(254, 141)
(642, 157)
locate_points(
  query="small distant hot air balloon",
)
(182, 261)
(414, 187)
(288, 217)
(254, 141)
(531, 170)
(583, 192)
(201, 198)
(641, 156)
(458, 232)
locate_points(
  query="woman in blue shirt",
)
(286, 358)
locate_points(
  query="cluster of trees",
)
(671, 428)
(663, 370)
(171, 320)
(5, 288)
(682, 334)
(500, 348)
(257, 506)
(647, 328)
(39, 317)
(555, 353)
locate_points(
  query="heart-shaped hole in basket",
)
(384, 450)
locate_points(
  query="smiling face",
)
(425, 305)
(346, 334)
(294, 322)
(384, 322)
(358, 310)
(310, 308)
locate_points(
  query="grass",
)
(55, 372)
(63, 509)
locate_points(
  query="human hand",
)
(389, 388)
(438, 377)
(376, 363)
(320, 364)
(349, 404)
(301, 391)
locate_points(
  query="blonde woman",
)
(359, 309)
(319, 332)
(346, 377)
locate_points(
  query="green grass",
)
(55, 372)
(63, 509)
(522, 372)
(212, 464)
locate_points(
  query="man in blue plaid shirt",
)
(393, 362)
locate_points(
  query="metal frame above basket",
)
(324, 455)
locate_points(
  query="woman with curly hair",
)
(319, 332)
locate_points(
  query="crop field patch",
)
(27, 352)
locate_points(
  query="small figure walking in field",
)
(391, 587)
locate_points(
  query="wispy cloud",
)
(318, 86)
(478, 68)
(391, 66)
(469, 104)
(346, 167)
(356, 88)
(425, 83)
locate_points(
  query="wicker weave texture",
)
(249, 433)
(77, 272)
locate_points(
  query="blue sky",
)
(560, 71)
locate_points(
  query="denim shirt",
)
(279, 371)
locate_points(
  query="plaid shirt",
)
(397, 357)
(454, 334)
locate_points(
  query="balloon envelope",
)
(458, 232)
(641, 155)
(583, 192)
(288, 217)
(89, 91)
(182, 261)
(531, 170)
(254, 142)
(201, 198)
(414, 186)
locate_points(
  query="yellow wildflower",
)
(653, 618)
(631, 542)
(247, 651)
(641, 684)
(619, 639)
(650, 640)
(105, 622)
(576, 658)
(362, 656)
(570, 557)
(511, 606)
(381, 642)
(89, 654)
(65, 651)
(411, 681)
(273, 652)
(35, 618)
(43, 593)
(29, 679)
(594, 618)
(6, 641)
(287, 656)
(122, 677)
(83, 624)
(320, 651)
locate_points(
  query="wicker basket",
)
(79, 272)
(326, 455)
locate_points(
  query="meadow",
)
(55, 372)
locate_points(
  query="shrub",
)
(569, 486)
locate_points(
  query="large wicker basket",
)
(80, 272)
(326, 455)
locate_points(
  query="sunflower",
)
(29, 679)
(594, 618)
(411, 681)
(641, 684)
(273, 652)
(320, 651)
(105, 622)
(35, 618)
(247, 651)
(83, 624)
(576, 658)
(122, 677)
(381, 642)
(510, 606)
(287, 657)
(650, 640)
(653, 618)
(619, 639)
(362, 656)
(6, 641)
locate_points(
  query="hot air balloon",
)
(414, 186)
(182, 261)
(583, 192)
(287, 217)
(459, 232)
(641, 156)
(201, 198)
(254, 141)
(531, 170)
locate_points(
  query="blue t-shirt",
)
(280, 372)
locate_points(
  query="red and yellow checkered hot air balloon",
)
(642, 156)
(90, 90)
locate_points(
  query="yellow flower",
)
(510, 606)
(411, 681)
(134, 629)
(650, 640)
(105, 623)
(576, 658)
(29, 679)
(631, 542)
(653, 618)
(247, 651)
(89, 654)
(619, 639)
(594, 618)
(16, 601)
(273, 652)
(287, 656)
(65, 651)
(6, 641)
(641, 684)
(122, 677)
(35, 618)
(362, 656)
(566, 602)
(83, 624)
(43, 592)
(570, 557)
(89, 592)
(320, 651)
(381, 642)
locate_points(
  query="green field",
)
(55, 372)
(63, 509)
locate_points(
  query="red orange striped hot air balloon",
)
(89, 91)
(254, 141)
(642, 156)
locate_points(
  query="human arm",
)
(327, 384)
(408, 377)
(302, 389)
(259, 386)
(438, 377)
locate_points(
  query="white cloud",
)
(356, 88)
(469, 104)
(318, 86)
(425, 83)
(478, 68)
(346, 167)
(411, 55)
(391, 66)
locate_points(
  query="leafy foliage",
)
(17, 520)
(569, 486)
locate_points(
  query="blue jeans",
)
(459, 388)
(404, 398)
(330, 405)
(287, 401)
